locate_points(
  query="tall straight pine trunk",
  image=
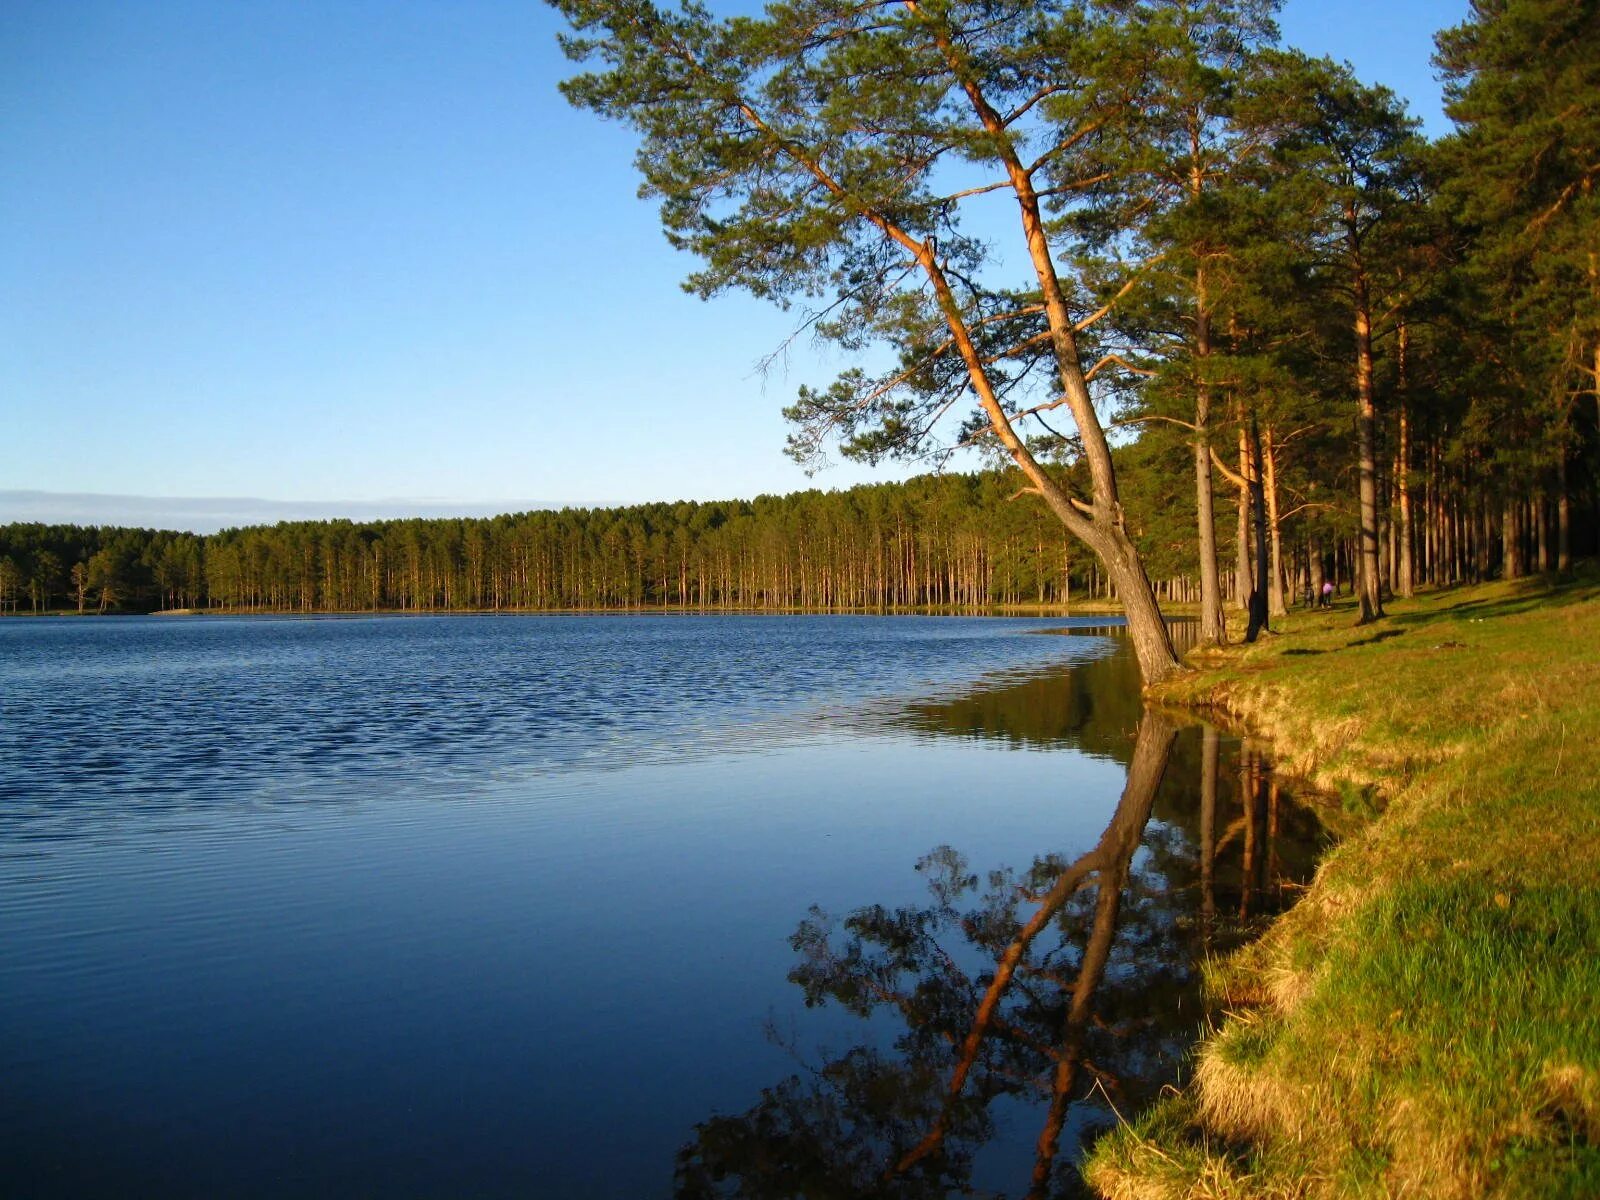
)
(1213, 627)
(1244, 580)
(1368, 580)
(1277, 603)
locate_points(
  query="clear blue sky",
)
(365, 251)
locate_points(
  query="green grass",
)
(1426, 1022)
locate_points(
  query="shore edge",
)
(1424, 1022)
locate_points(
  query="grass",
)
(1426, 1022)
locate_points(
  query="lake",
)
(534, 906)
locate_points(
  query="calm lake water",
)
(534, 906)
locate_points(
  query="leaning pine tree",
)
(823, 151)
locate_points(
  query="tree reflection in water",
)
(1071, 989)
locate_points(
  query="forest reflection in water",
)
(1049, 999)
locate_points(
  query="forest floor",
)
(1426, 1021)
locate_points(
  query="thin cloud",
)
(207, 514)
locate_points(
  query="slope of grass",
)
(1426, 1022)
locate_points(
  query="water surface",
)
(504, 905)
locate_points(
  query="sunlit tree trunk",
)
(1258, 507)
(1276, 602)
(1368, 580)
(1405, 584)
(1244, 583)
(1213, 627)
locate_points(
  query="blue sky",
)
(365, 252)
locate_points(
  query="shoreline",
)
(1426, 1020)
(1174, 611)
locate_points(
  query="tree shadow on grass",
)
(1534, 592)
(1381, 636)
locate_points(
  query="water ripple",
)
(175, 715)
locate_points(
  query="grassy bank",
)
(1426, 1022)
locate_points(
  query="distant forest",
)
(959, 541)
(936, 541)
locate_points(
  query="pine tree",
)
(809, 153)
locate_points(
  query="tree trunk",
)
(1511, 542)
(1391, 551)
(1258, 593)
(1367, 456)
(1405, 579)
(1213, 627)
(1430, 551)
(1406, 584)
(1276, 603)
(1563, 517)
(1485, 535)
(1243, 584)
(1543, 533)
